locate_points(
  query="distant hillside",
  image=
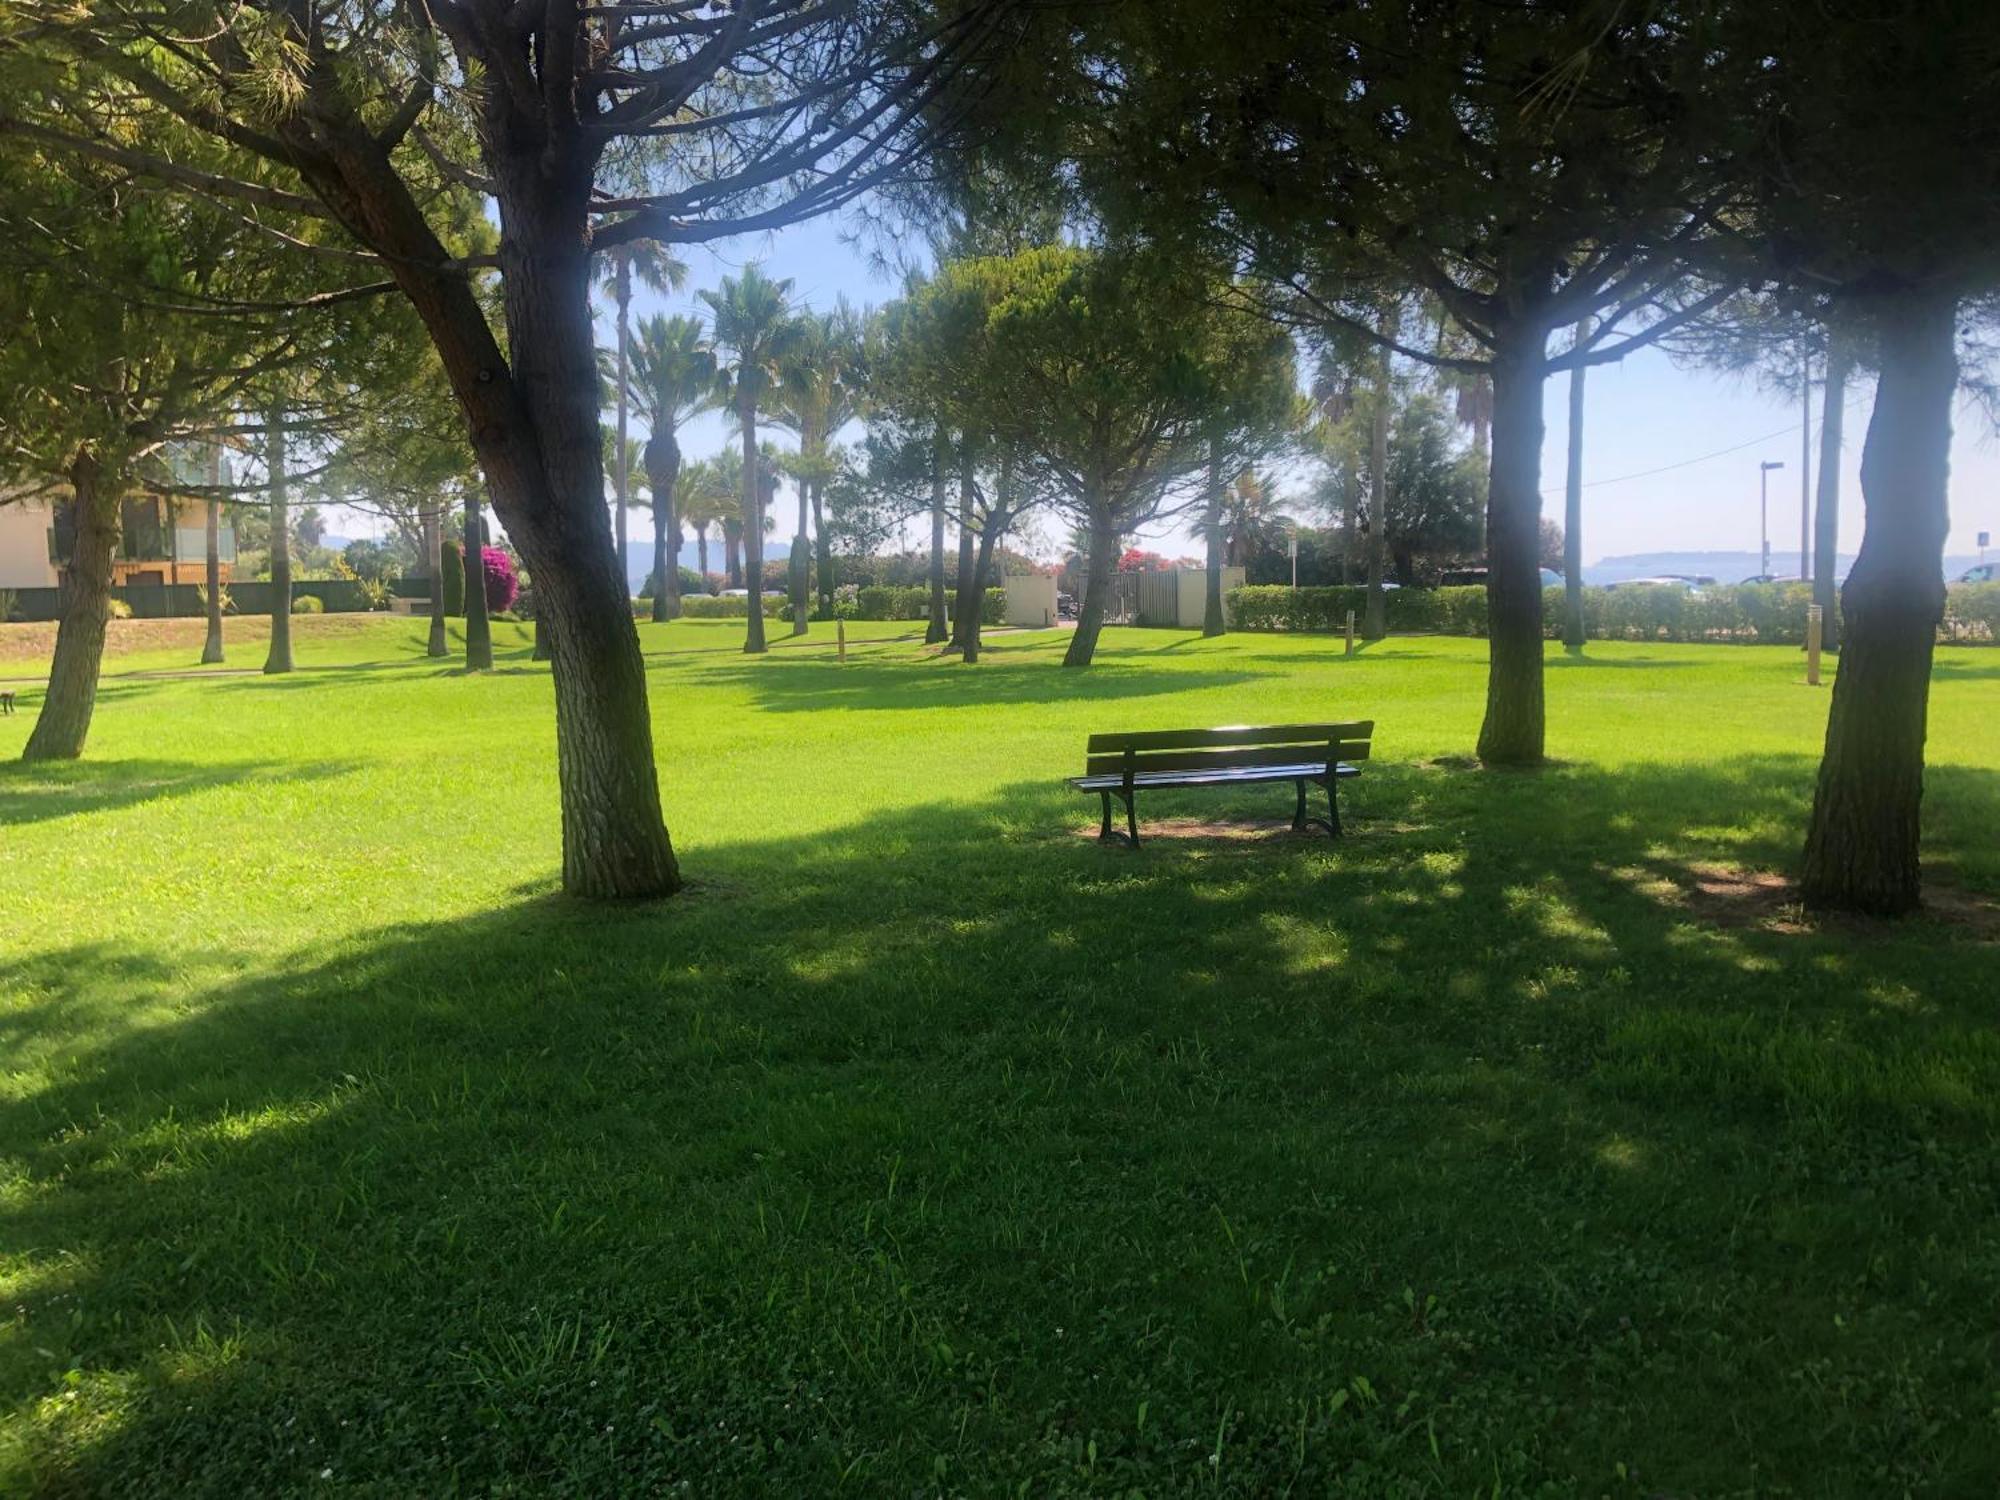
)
(1724, 567)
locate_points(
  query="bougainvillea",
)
(503, 586)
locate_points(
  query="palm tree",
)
(661, 272)
(756, 330)
(705, 495)
(672, 377)
(815, 398)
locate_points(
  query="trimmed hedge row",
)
(882, 602)
(1772, 613)
(737, 607)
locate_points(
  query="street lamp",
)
(1764, 509)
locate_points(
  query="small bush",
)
(307, 604)
(201, 598)
(117, 609)
(503, 585)
(714, 607)
(1972, 612)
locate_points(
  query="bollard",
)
(1815, 632)
(1350, 632)
(840, 637)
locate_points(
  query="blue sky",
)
(1670, 458)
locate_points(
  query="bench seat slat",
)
(1229, 734)
(1199, 760)
(1224, 775)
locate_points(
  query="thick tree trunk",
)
(64, 723)
(938, 630)
(967, 547)
(478, 630)
(1805, 462)
(663, 475)
(280, 657)
(1826, 509)
(1573, 508)
(1375, 610)
(437, 645)
(823, 545)
(532, 414)
(1862, 846)
(544, 649)
(1513, 731)
(1103, 561)
(211, 646)
(753, 530)
(1350, 521)
(1212, 621)
(732, 550)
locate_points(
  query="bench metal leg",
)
(1333, 806)
(1106, 834)
(1301, 821)
(1299, 812)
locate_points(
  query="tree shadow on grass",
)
(817, 683)
(58, 789)
(954, 1151)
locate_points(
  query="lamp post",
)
(1764, 510)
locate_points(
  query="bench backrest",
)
(1233, 746)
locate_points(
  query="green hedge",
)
(1772, 613)
(717, 607)
(881, 602)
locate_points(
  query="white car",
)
(1983, 573)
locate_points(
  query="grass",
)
(925, 1147)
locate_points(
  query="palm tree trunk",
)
(732, 548)
(753, 530)
(478, 630)
(1862, 845)
(962, 584)
(663, 471)
(801, 564)
(1350, 515)
(937, 630)
(1573, 508)
(211, 647)
(64, 723)
(1212, 621)
(434, 551)
(279, 659)
(701, 553)
(1512, 733)
(1826, 509)
(823, 548)
(1096, 586)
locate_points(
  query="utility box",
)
(1031, 600)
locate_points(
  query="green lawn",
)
(924, 1146)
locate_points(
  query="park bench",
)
(1122, 765)
(6, 700)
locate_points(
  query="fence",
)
(162, 601)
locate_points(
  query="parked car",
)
(1772, 578)
(1065, 606)
(1694, 583)
(1981, 573)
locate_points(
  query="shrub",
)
(10, 606)
(714, 607)
(1972, 612)
(503, 585)
(452, 565)
(117, 609)
(307, 604)
(201, 598)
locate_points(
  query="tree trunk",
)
(1350, 519)
(982, 564)
(280, 658)
(824, 549)
(938, 630)
(663, 475)
(1573, 508)
(623, 466)
(437, 645)
(966, 546)
(1375, 612)
(1513, 731)
(1862, 845)
(211, 647)
(801, 563)
(753, 529)
(732, 550)
(478, 630)
(1099, 567)
(64, 722)
(1212, 621)
(1805, 461)
(701, 553)
(1826, 510)
(544, 649)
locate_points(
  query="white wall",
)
(1031, 599)
(24, 546)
